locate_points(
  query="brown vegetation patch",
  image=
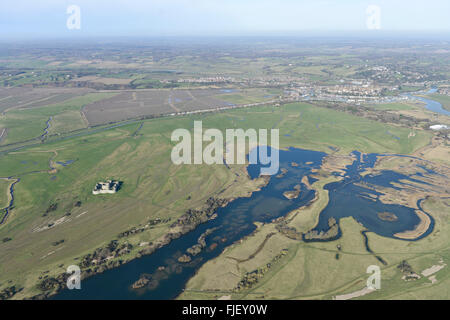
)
(419, 230)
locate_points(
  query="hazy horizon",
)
(214, 18)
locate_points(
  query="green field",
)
(392, 106)
(153, 187)
(63, 130)
(248, 96)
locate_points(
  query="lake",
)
(236, 220)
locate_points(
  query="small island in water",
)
(387, 216)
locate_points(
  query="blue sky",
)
(47, 18)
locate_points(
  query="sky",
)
(48, 18)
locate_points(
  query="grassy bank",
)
(55, 203)
(442, 99)
(325, 270)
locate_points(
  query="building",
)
(107, 187)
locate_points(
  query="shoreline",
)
(177, 230)
(419, 230)
(10, 201)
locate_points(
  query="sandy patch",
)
(336, 163)
(419, 230)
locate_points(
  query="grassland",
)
(152, 186)
(311, 127)
(157, 102)
(393, 106)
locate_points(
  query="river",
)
(236, 220)
(432, 105)
(7, 209)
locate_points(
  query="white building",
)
(439, 127)
(107, 187)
